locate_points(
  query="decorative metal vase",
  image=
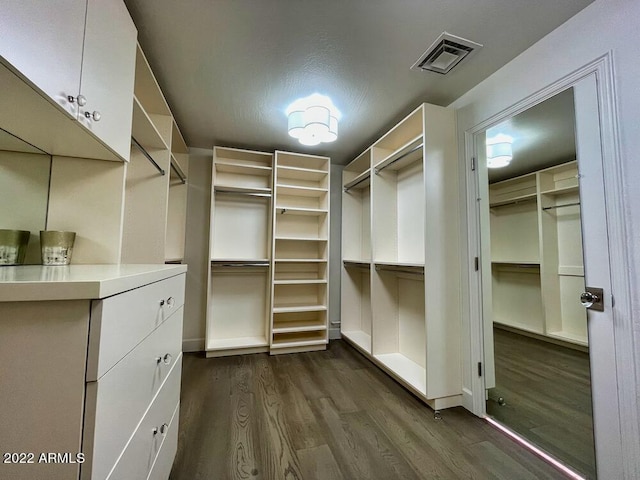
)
(13, 246)
(56, 247)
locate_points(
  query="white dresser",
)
(90, 364)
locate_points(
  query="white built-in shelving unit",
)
(300, 253)
(401, 272)
(536, 254)
(240, 252)
(156, 189)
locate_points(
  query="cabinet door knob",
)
(81, 99)
(95, 115)
(162, 302)
(167, 359)
(171, 302)
(154, 431)
(164, 428)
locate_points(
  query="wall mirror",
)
(539, 374)
(24, 189)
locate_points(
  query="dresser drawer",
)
(158, 428)
(117, 402)
(120, 322)
(167, 454)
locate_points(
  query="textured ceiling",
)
(229, 68)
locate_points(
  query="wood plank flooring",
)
(547, 393)
(329, 415)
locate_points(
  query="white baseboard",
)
(334, 333)
(193, 344)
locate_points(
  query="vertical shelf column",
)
(238, 308)
(300, 253)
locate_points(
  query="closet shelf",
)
(319, 340)
(357, 264)
(227, 166)
(144, 130)
(561, 191)
(298, 173)
(173, 261)
(529, 197)
(313, 212)
(360, 338)
(405, 155)
(410, 372)
(300, 260)
(415, 268)
(300, 307)
(523, 263)
(235, 262)
(311, 281)
(361, 181)
(234, 343)
(301, 239)
(569, 337)
(296, 190)
(293, 327)
(177, 169)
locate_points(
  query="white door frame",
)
(620, 459)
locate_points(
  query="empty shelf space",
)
(298, 307)
(301, 239)
(357, 264)
(294, 327)
(403, 156)
(300, 260)
(521, 263)
(313, 212)
(144, 130)
(296, 190)
(406, 369)
(360, 338)
(298, 339)
(299, 173)
(302, 281)
(236, 343)
(361, 181)
(561, 191)
(404, 267)
(235, 262)
(529, 197)
(242, 168)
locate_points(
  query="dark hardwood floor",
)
(547, 394)
(329, 415)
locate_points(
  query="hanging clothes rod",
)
(239, 264)
(414, 149)
(561, 206)
(179, 172)
(246, 194)
(346, 189)
(148, 157)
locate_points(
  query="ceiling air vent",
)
(445, 53)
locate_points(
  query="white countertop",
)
(77, 282)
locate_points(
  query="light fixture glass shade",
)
(499, 151)
(313, 120)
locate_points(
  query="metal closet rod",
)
(179, 172)
(246, 194)
(148, 157)
(253, 264)
(417, 147)
(560, 206)
(346, 189)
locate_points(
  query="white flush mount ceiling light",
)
(499, 151)
(313, 120)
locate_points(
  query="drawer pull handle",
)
(162, 302)
(166, 359)
(164, 428)
(154, 430)
(171, 302)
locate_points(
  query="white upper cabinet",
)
(108, 71)
(43, 41)
(81, 55)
